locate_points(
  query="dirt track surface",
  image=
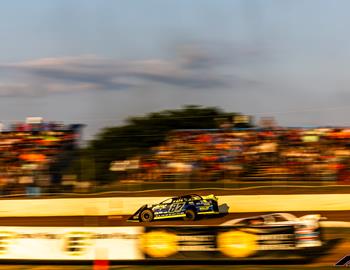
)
(95, 221)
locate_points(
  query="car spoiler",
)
(210, 197)
(135, 216)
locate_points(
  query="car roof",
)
(287, 216)
(186, 196)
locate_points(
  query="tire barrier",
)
(223, 243)
(159, 244)
(237, 244)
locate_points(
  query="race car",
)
(187, 207)
(307, 231)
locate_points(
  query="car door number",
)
(177, 207)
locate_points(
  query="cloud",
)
(14, 89)
(192, 67)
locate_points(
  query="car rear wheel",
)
(146, 215)
(190, 215)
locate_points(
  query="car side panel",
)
(205, 206)
(176, 209)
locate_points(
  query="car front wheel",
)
(146, 215)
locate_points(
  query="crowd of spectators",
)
(313, 154)
(34, 155)
(31, 155)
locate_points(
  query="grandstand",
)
(306, 154)
(33, 155)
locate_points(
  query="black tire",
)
(190, 215)
(146, 215)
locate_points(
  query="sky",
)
(98, 62)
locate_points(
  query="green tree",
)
(139, 134)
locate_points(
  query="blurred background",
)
(94, 94)
(194, 145)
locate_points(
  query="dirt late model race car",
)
(307, 230)
(187, 207)
(269, 237)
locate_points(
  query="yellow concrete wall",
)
(127, 206)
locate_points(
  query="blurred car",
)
(187, 207)
(307, 230)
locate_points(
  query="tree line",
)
(139, 134)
